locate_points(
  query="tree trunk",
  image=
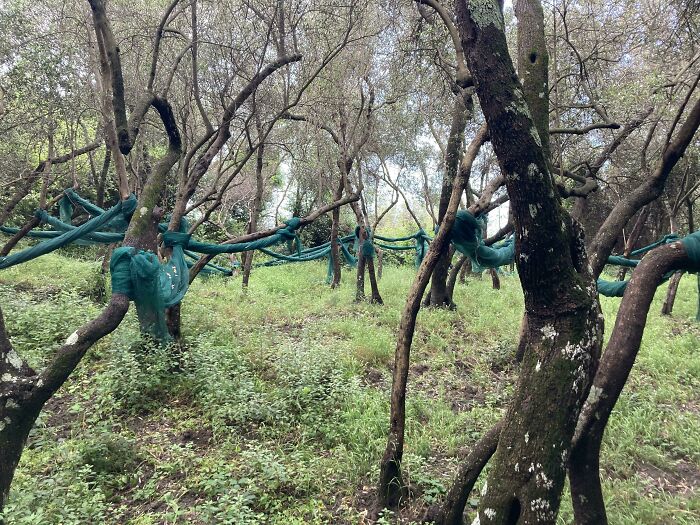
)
(533, 66)
(456, 271)
(633, 238)
(376, 297)
(615, 366)
(670, 299)
(451, 512)
(466, 269)
(564, 331)
(391, 488)
(360, 278)
(335, 226)
(495, 281)
(604, 240)
(23, 392)
(439, 294)
(256, 209)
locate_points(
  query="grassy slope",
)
(277, 413)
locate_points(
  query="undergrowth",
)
(276, 411)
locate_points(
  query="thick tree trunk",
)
(533, 65)
(23, 392)
(564, 331)
(615, 367)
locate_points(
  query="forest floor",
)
(277, 410)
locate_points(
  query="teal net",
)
(691, 243)
(421, 243)
(75, 233)
(152, 285)
(467, 237)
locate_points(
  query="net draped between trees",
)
(155, 286)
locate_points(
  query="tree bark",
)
(533, 65)
(495, 281)
(615, 366)
(670, 299)
(633, 238)
(439, 294)
(335, 227)
(23, 392)
(451, 512)
(456, 271)
(564, 333)
(651, 188)
(256, 209)
(391, 487)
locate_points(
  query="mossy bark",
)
(615, 367)
(24, 392)
(564, 331)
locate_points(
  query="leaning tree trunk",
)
(564, 331)
(451, 511)
(650, 189)
(456, 271)
(615, 367)
(391, 488)
(23, 392)
(670, 299)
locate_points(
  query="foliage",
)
(275, 412)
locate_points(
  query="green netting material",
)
(152, 285)
(421, 244)
(116, 224)
(123, 208)
(467, 237)
(691, 243)
(65, 209)
(186, 241)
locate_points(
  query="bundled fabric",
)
(122, 209)
(186, 241)
(152, 285)
(421, 244)
(691, 243)
(467, 237)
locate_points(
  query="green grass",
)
(277, 411)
